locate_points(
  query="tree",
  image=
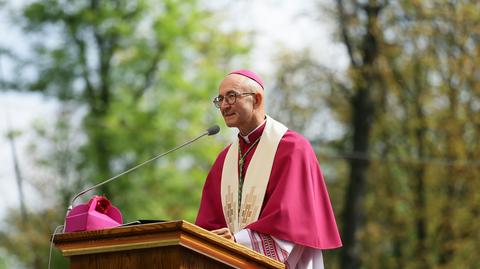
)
(363, 50)
(138, 75)
(408, 104)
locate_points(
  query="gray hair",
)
(251, 84)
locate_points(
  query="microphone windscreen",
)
(213, 130)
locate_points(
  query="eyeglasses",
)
(230, 98)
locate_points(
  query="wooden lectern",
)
(174, 244)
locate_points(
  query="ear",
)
(258, 99)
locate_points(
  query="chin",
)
(230, 124)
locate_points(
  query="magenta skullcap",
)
(249, 74)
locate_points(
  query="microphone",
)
(210, 131)
(213, 130)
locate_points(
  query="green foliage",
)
(420, 204)
(134, 79)
(27, 240)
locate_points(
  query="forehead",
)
(231, 82)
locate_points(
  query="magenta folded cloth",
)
(98, 213)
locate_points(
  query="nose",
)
(224, 105)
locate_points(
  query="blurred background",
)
(387, 92)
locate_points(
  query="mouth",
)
(228, 114)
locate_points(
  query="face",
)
(241, 114)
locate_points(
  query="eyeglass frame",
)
(217, 101)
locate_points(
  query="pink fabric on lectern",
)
(249, 74)
(98, 213)
(296, 207)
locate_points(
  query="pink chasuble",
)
(296, 206)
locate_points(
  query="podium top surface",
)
(158, 234)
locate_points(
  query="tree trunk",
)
(354, 211)
(362, 115)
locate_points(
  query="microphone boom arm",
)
(208, 132)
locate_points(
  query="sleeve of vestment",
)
(294, 256)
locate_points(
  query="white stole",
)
(256, 177)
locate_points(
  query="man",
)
(266, 190)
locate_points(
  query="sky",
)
(277, 24)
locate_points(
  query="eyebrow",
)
(230, 91)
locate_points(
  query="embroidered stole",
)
(256, 178)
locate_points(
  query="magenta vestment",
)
(296, 206)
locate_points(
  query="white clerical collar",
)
(245, 138)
